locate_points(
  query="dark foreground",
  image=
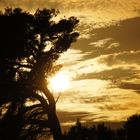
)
(129, 131)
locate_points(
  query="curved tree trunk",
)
(52, 117)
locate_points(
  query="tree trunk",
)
(52, 117)
(55, 126)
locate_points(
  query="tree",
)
(132, 127)
(29, 46)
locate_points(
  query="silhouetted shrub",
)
(130, 131)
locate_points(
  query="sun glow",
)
(60, 82)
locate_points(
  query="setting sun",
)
(60, 82)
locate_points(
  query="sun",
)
(60, 82)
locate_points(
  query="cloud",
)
(95, 99)
(114, 107)
(112, 74)
(121, 58)
(115, 40)
(71, 57)
(70, 116)
(103, 63)
(101, 11)
(126, 34)
(131, 86)
(101, 43)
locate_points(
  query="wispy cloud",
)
(121, 58)
(106, 78)
(89, 12)
(103, 64)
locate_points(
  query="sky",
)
(104, 63)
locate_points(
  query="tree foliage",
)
(129, 131)
(29, 46)
(132, 127)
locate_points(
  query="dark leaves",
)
(24, 67)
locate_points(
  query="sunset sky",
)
(104, 64)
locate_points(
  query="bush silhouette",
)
(129, 131)
(132, 127)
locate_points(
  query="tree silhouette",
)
(132, 127)
(129, 131)
(29, 46)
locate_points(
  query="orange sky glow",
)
(103, 65)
